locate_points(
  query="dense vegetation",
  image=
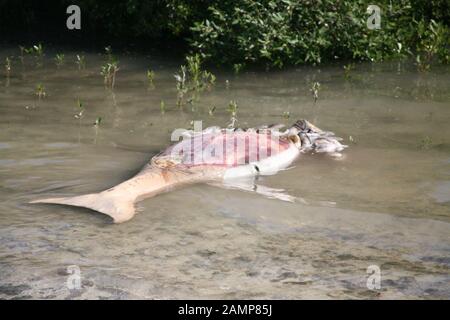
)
(273, 33)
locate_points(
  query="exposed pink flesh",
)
(226, 149)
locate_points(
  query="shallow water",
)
(385, 203)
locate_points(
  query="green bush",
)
(277, 33)
(238, 33)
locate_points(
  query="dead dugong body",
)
(212, 155)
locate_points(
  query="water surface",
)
(385, 203)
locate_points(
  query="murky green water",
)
(386, 203)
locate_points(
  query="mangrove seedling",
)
(350, 138)
(198, 78)
(208, 79)
(347, 69)
(96, 124)
(40, 91)
(426, 143)
(192, 78)
(59, 59)
(191, 102)
(315, 90)
(194, 68)
(37, 50)
(80, 61)
(98, 121)
(110, 68)
(7, 66)
(211, 110)
(182, 89)
(108, 71)
(150, 77)
(232, 109)
(286, 115)
(80, 111)
(162, 106)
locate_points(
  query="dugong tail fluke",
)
(118, 201)
(118, 208)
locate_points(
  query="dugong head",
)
(315, 139)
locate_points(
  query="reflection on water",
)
(385, 203)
